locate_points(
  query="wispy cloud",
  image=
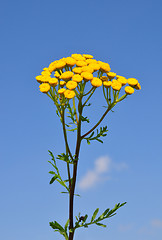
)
(102, 166)
(156, 223)
(125, 227)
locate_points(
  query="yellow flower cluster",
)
(65, 76)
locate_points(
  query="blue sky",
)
(128, 166)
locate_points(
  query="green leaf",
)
(100, 133)
(85, 225)
(72, 130)
(101, 225)
(58, 228)
(51, 172)
(62, 183)
(85, 218)
(56, 225)
(66, 225)
(53, 179)
(94, 214)
(88, 142)
(106, 211)
(84, 119)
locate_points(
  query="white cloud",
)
(102, 166)
(88, 180)
(156, 223)
(125, 227)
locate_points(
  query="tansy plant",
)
(70, 83)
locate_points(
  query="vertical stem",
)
(72, 190)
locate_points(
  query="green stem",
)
(65, 135)
(75, 110)
(89, 97)
(68, 170)
(108, 109)
(72, 190)
(88, 92)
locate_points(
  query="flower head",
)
(96, 82)
(57, 75)
(105, 67)
(87, 76)
(77, 70)
(129, 90)
(87, 56)
(53, 82)
(69, 94)
(71, 85)
(62, 83)
(111, 75)
(87, 69)
(78, 57)
(66, 75)
(138, 86)
(52, 66)
(39, 78)
(44, 87)
(116, 85)
(107, 84)
(94, 66)
(70, 61)
(132, 82)
(77, 78)
(60, 64)
(91, 61)
(81, 63)
(104, 78)
(61, 91)
(122, 80)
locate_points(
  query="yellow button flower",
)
(66, 75)
(122, 80)
(91, 61)
(111, 75)
(78, 57)
(61, 91)
(107, 84)
(81, 63)
(52, 66)
(94, 66)
(77, 78)
(57, 75)
(39, 78)
(77, 70)
(71, 85)
(69, 94)
(87, 69)
(45, 73)
(62, 83)
(70, 61)
(45, 79)
(129, 90)
(138, 86)
(53, 82)
(45, 69)
(104, 78)
(87, 76)
(116, 85)
(132, 82)
(87, 56)
(105, 67)
(96, 82)
(60, 64)
(44, 87)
